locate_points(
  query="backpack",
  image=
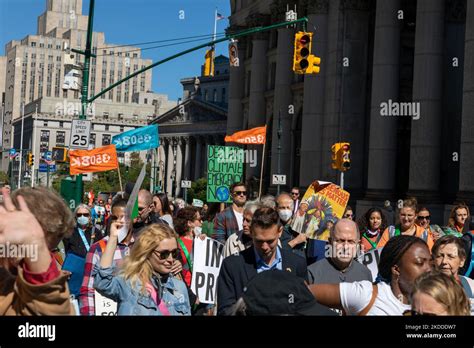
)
(393, 232)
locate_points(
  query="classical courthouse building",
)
(373, 52)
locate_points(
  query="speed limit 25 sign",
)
(80, 133)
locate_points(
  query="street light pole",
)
(21, 142)
(33, 146)
(279, 132)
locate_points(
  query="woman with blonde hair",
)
(436, 293)
(406, 226)
(145, 284)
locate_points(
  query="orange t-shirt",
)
(418, 233)
(366, 245)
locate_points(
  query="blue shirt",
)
(276, 264)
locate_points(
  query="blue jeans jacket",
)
(130, 301)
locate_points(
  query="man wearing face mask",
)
(339, 265)
(289, 239)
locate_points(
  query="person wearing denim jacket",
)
(144, 284)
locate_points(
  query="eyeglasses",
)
(82, 214)
(295, 193)
(424, 217)
(240, 193)
(348, 215)
(164, 254)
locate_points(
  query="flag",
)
(96, 160)
(143, 138)
(256, 135)
(219, 17)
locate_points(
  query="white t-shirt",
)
(356, 296)
(240, 219)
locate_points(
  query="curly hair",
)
(137, 267)
(364, 220)
(185, 215)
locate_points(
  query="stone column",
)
(281, 102)
(313, 102)
(187, 158)
(466, 163)
(179, 165)
(169, 167)
(426, 134)
(385, 86)
(236, 86)
(197, 158)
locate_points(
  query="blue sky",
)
(135, 21)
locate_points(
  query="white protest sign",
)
(103, 305)
(80, 134)
(208, 257)
(371, 260)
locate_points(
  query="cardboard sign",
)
(208, 257)
(222, 173)
(371, 260)
(104, 305)
(95, 160)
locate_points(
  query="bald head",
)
(284, 200)
(144, 198)
(345, 226)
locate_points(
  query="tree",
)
(198, 190)
(4, 178)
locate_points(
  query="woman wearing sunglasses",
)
(436, 293)
(423, 219)
(144, 285)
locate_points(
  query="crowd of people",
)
(146, 265)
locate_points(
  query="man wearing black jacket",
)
(237, 270)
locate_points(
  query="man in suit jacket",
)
(231, 219)
(265, 254)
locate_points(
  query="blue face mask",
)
(83, 220)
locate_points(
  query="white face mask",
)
(122, 233)
(197, 230)
(285, 214)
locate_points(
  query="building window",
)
(120, 117)
(106, 127)
(60, 137)
(106, 115)
(146, 101)
(61, 124)
(122, 128)
(106, 139)
(44, 136)
(45, 124)
(92, 139)
(33, 44)
(135, 55)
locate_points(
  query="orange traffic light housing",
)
(345, 156)
(302, 50)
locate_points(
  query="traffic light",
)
(31, 159)
(302, 51)
(335, 160)
(59, 154)
(313, 67)
(209, 63)
(345, 159)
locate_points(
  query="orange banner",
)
(95, 160)
(256, 135)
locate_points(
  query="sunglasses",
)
(424, 217)
(294, 193)
(240, 193)
(164, 254)
(82, 214)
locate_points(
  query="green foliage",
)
(4, 177)
(198, 190)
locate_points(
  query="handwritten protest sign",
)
(322, 202)
(208, 257)
(104, 305)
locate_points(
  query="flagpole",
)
(120, 180)
(215, 27)
(261, 171)
(213, 53)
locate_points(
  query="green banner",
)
(225, 166)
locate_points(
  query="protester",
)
(436, 293)
(403, 259)
(457, 219)
(289, 239)
(76, 247)
(467, 238)
(372, 224)
(33, 284)
(339, 265)
(100, 213)
(265, 254)
(230, 220)
(242, 240)
(268, 201)
(268, 293)
(295, 196)
(407, 225)
(146, 215)
(208, 217)
(348, 213)
(449, 257)
(423, 219)
(162, 208)
(145, 284)
(187, 224)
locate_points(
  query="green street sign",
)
(69, 191)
